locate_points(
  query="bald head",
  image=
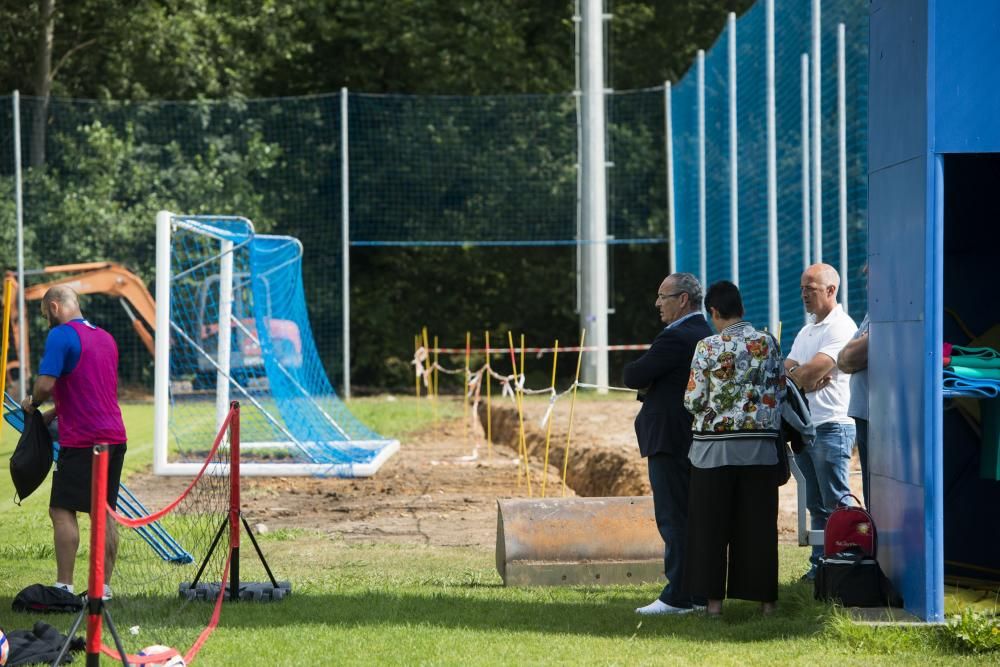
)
(825, 274)
(819, 286)
(60, 305)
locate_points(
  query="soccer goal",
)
(235, 308)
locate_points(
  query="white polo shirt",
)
(828, 404)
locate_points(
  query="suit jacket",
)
(663, 425)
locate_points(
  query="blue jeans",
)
(825, 465)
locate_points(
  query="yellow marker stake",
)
(572, 409)
(524, 439)
(465, 389)
(521, 449)
(8, 298)
(489, 392)
(779, 332)
(513, 364)
(548, 424)
(434, 379)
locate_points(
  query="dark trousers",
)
(669, 476)
(733, 533)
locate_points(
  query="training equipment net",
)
(235, 306)
(175, 603)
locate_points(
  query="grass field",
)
(401, 604)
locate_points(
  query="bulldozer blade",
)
(578, 541)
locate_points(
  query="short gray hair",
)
(690, 285)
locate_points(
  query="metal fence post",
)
(671, 206)
(806, 221)
(817, 138)
(842, 162)
(702, 255)
(734, 211)
(345, 241)
(24, 369)
(774, 302)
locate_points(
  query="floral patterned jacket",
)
(736, 386)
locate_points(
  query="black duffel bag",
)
(854, 579)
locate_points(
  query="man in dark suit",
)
(663, 426)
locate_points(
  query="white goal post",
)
(335, 443)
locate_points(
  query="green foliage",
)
(191, 49)
(109, 167)
(97, 197)
(974, 631)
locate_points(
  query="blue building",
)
(934, 226)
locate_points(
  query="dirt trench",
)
(596, 467)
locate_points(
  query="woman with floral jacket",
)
(734, 392)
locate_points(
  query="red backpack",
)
(850, 526)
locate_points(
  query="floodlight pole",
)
(24, 369)
(345, 236)
(594, 227)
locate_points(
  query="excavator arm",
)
(97, 278)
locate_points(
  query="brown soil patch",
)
(441, 490)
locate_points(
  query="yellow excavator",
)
(88, 278)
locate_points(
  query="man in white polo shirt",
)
(812, 365)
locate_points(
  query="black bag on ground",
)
(32, 458)
(854, 579)
(42, 599)
(41, 644)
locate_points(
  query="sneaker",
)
(107, 593)
(699, 607)
(660, 608)
(65, 587)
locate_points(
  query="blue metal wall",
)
(934, 89)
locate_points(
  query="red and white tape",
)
(543, 350)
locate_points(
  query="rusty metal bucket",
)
(578, 541)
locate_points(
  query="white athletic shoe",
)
(107, 593)
(658, 608)
(66, 587)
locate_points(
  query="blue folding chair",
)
(154, 534)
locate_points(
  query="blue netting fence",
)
(444, 170)
(793, 25)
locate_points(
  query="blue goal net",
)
(239, 330)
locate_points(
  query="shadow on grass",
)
(585, 612)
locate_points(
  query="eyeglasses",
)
(805, 289)
(664, 297)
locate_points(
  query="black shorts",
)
(72, 476)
